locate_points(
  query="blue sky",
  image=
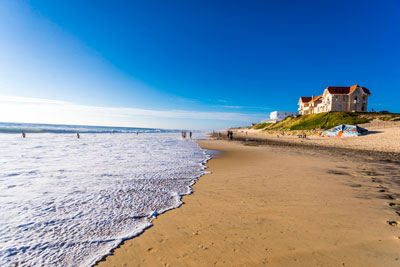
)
(190, 64)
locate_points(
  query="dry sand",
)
(276, 206)
(383, 136)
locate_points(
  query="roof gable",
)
(366, 91)
(317, 98)
(343, 90)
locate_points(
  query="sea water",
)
(66, 201)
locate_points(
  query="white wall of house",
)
(281, 115)
(356, 101)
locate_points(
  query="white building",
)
(349, 99)
(276, 116)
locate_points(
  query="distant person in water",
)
(190, 134)
(23, 134)
(137, 133)
(78, 136)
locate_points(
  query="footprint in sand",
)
(394, 223)
(337, 172)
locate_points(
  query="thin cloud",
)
(31, 100)
(14, 108)
(246, 107)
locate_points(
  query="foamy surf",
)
(68, 202)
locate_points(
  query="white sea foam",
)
(67, 202)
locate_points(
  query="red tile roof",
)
(366, 90)
(335, 90)
(316, 98)
(305, 99)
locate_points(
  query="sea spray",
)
(67, 202)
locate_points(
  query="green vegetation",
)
(261, 126)
(323, 120)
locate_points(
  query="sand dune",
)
(383, 136)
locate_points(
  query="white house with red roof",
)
(350, 99)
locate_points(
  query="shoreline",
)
(218, 224)
(211, 154)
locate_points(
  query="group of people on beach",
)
(230, 134)
(304, 136)
(183, 134)
(24, 135)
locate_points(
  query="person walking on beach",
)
(78, 136)
(23, 134)
(190, 134)
(230, 134)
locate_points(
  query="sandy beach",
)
(382, 136)
(277, 206)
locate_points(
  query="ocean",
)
(66, 201)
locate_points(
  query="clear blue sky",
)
(192, 64)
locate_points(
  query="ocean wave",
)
(66, 129)
(68, 201)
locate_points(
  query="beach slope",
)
(278, 207)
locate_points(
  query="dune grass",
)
(261, 125)
(323, 120)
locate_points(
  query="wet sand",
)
(277, 206)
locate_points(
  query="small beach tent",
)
(344, 130)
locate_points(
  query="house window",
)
(344, 98)
(364, 99)
(339, 107)
(355, 99)
(336, 98)
(363, 108)
(355, 107)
